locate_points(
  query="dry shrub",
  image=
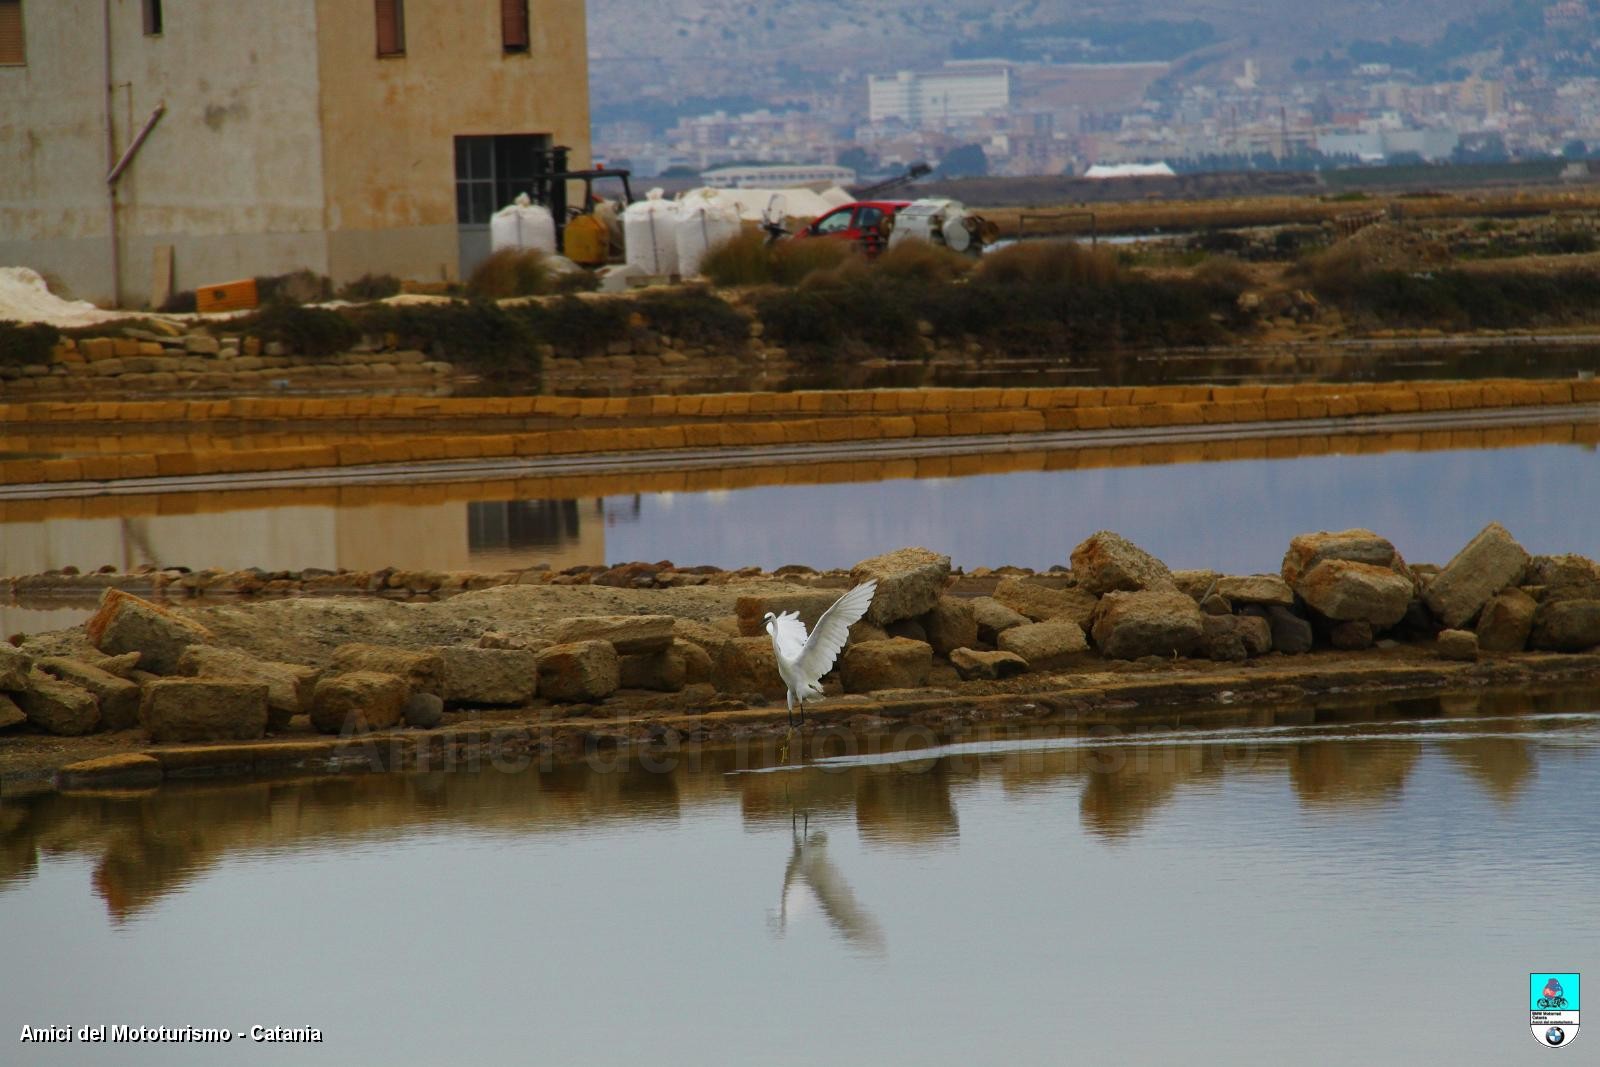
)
(1335, 273)
(1225, 273)
(920, 261)
(743, 259)
(748, 259)
(794, 261)
(852, 270)
(510, 272)
(1050, 263)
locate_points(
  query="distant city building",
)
(777, 177)
(958, 92)
(1130, 170)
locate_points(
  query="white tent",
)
(797, 205)
(1130, 170)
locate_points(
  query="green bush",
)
(306, 331)
(297, 287)
(693, 316)
(180, 303)
(573, 326)
(370, 287)
(22, 343)
(493, 341)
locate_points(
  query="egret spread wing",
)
(833, 630)
(790, 635)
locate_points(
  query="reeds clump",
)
(748, 259)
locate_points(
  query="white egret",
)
(803, 660)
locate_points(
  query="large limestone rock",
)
(10, 714)
(1263, 589)
(1566, 626)
(358, 701)
(664, 672)
(696, 661)
(1457, 644)
(289, 685)
(910, 582)
(1157, 622)
(1234, 638)
(1291, 634)
(58, 707)
(952, 624)
(421, 670)
(424, 711)
(493, 676)
(898, 663)
(1348, 591)
(994, 618)
(1047, 646)
(1356, 546)
(578, 672)
(203, 709)
(118, 698)
(125, 623)
(628, 634)
(809, 604)
(1490, 562)
(972, 665)
(746, 665)
(1506, 621)
(1566, 577)
(1106, 561)
(1041, 602)
(15, 666)
(1195, 583)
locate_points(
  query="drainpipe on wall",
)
(111, 162)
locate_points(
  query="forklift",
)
(582, 234)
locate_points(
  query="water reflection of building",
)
(511, 533)
(446, 536)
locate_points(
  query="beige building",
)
(239, 139)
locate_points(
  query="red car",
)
(863, 223)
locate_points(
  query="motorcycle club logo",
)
(1553, 1007)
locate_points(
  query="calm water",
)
(1373, 885)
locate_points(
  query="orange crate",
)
(229, 296)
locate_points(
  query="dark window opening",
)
(491, 171)
(514, 25)
(152, 18)
(12, 51)
(391, 27)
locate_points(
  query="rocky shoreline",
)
(183, 680)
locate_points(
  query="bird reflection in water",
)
(811, 880)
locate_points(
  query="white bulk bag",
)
(650, 234)
(705, 220)
(523, 225)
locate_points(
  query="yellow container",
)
(230, 296)
(586, 242)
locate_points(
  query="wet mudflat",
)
(1374, 883)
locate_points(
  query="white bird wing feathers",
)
(813, 656)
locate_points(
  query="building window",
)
(514, 25)
(491, 171)
(152, 18)
(12, 52)
(391, 27)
